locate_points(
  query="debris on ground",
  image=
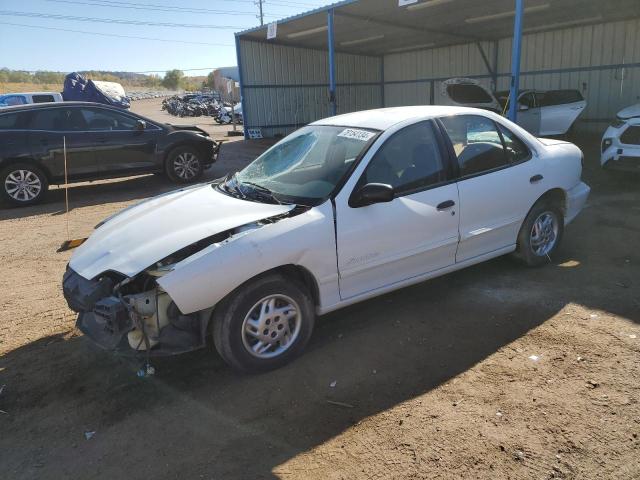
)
(592, 384)
(340, 404)
(89, 435)
(333, 384)
(535, 358)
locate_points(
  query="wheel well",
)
(183, 143)
(556, 196)
(12, 161)
(302, 275)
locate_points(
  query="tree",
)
(173, 79)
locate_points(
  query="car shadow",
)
(233, 157)
(196, 416)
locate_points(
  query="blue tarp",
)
(78, 88)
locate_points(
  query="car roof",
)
(30, 93)
(37, 106)
(384, 118)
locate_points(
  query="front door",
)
(416, 233)
(529, 113)
(120, 145)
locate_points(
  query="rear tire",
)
(22, 184)
(264, 324)
(184, 164)
(540, 234)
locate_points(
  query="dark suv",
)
(93, 141)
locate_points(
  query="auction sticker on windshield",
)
(356, 134)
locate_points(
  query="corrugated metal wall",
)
(287, 87)
(586, 52)
(606, 90)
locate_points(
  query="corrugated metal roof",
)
(378, 27)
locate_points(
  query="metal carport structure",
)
(360, 54)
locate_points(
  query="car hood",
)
(141, 235)
(190, 128)
(630, 112)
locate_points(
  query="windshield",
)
(304, 167)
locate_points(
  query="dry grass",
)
(28, 87)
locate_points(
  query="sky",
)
(23, 47)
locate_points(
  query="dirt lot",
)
(496, 371)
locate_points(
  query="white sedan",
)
(341, 210)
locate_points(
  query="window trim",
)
(99, 107)
(446, 160)
(34, 111)
(454, 157)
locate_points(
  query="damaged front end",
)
(133, 315)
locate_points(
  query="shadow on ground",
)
(196, 417)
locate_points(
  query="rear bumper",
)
(576, 199)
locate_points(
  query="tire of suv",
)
(263, 324)
(184, 165)
(540, 234)
(22, 184)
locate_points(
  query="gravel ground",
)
(497, 371)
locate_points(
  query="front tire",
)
(23, 184)
(264, 324)
(184, 165)
(540, 234)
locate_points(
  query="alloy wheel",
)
(22, 185)
(271, 326)
(186, 165)
(544, 233)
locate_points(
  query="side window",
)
(13, 121)
(528, 100)
(58, 119)
(11, 100)
(476, 142)
(516, 150)
(101, 119)
(42, 98)
(410, 159)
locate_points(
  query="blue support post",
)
(515, 61)
(332, 63)
(245, 121)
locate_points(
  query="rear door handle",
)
(536, 178)
(446, 204)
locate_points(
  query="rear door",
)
(51, 130)
(120, 145)
(559, 109)
(499, 182)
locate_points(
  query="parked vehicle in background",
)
(344, 209)
(101, 142)
(621, 141)
(550, 112)
(465, 92)
(26, 98)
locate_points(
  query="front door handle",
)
(446, 204)
(536, 178)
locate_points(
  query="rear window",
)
(43, 98)
(558, 97)
(12, 121)
(468, 93)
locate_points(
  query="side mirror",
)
(522, 108)
(371, 193)
(141, 125)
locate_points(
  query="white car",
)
(466, 92)
(621, 141)
(339, 211)
(12, 99)
(549, 112)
